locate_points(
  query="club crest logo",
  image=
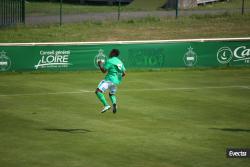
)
(190, 57)
(224, 55)
(100, 57)
(5, 62)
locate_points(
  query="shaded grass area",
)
(53, 8)
(143, 5)
(150, 28)
(180, 128)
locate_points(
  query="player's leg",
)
(101, 97)
(102, 87)
(112, 97)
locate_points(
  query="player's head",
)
(114, 53)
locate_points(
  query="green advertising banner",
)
(135, 55)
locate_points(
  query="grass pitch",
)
(180, 118)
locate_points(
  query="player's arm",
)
(123, 71)
(100, 64)
(123, 74)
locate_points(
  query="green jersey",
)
(115, 69)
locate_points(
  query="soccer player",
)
(115, 72)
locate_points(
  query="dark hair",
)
(115, 52)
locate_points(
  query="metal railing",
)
(12, 12)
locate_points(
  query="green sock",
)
(101, 97)
(112, 98)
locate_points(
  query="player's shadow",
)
(67, 130)
(232, 129)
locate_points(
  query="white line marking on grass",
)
(191, 88)
(42, 94)
(87, 91)
(130, 90)
(246, 87)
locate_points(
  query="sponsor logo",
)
(190, 57)
(226, 54)
(100, 57)
(242, 53)
(146, 57)
(53, 59)
(5, 62)
(237, 153)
